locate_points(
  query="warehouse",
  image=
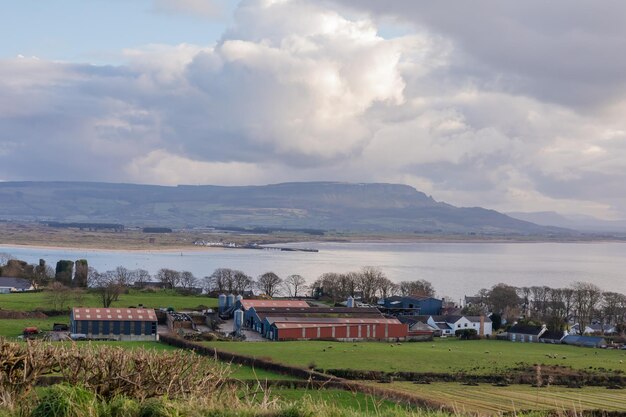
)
(130, 324)
(352, 329)
(255, 317)
(248, 306)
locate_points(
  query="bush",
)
(65, 401)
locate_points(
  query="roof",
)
(553, 335)
(397, 298)
(263, 312)
(331, 320)
(246, 304)
(525, 329)
(443, 326)
(12, 282)
(419, 326)
(114, 314)
(476, 319)
(584, 340)
(447, 319)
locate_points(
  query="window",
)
(84, 327)
(116, 327)
(465, 324)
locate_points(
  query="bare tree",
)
(269, 283)
(295, 285)
(187, 280)
(387, 288)
(4, 258)
(223, 280)
(141, 276)
(58, 295)
(613, 308)
(369, 280)
(107, 285)
(241, 282)
(417, 288)
(168, 277)
(586, 299)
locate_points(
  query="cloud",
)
(195, 8)
(300, 90)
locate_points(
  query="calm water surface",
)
(455, 269)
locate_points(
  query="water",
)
(455, 269)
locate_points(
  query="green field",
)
(365, 404)
(14, 327)
(488, 399)
(447, 355)
(164, 298)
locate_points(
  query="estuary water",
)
(455, 269)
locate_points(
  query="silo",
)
(230, 300)
(221, 303)
(238, 323)
(239, 297)
(350, 302)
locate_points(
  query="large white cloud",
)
(302, 90)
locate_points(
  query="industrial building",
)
(336, 329)
(411, 305)
(129, 324)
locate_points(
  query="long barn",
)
(129, 324)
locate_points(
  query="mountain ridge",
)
(341, 206)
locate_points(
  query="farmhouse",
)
(449, 325)
(133, 324)
(11, 284)
(525, 333)
(351, 329)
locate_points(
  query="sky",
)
(515, 106)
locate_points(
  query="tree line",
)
(582, 302)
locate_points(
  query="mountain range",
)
(374, 207)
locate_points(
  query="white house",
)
(449, 325)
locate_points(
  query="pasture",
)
(489, 400)
(445, 355)
(162, 298)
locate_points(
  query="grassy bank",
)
(448, 355)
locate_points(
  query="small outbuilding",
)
(525, 333)
(584, 341)
(128, 324)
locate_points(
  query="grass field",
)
(14, 327)
(488, 399)
(447, 355)
(38, 300)
(365, 404)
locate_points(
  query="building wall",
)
(117, 330)
(344, 332)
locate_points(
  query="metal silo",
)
(350, 302)
(230, 300)
(221, 303)
(238, 323)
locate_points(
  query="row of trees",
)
(370, 283)
(582, 303)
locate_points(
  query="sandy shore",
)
(173, 249)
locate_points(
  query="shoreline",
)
(173, 249)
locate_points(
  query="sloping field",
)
(488, 399)
(164, 298)
(448, 355)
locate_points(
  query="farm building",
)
(247, 305)
(553, 337)
(11, 284)
(255, 317)
(337, 329)
(411, 305)
(133, 324)
(584, 341)
(525, 333)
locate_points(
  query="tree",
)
(64, 272)
(369, 280)
(613, 308)
(42, 275)
(4, 258)
(108, 285)
(387, 288)
(585, 301)
(269, 283)
(58, 295)
(295, 285)
(241, 282)
(329, 284)
(419, 288)
(187, 280)
(504, 300)
(222, 280)
(168, 277)
(81, 273)
(141, 276)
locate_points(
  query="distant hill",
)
(314, 205)
(575, 221)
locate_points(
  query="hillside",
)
(316, 205)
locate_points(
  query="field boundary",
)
(313, 378)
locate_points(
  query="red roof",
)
(300, 325)
(273, 303)
(330, 321)
(114, 314)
